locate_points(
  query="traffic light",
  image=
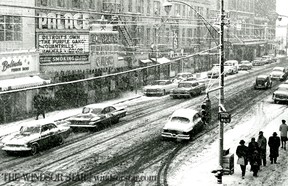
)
(206, 111)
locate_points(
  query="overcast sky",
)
(282, 8)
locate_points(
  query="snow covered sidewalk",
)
(196, 169)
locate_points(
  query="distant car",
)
(263, 82)
(245, 65)
(182, 76)
(97, 116)
(188, 89)
(183, 124)
(281, 94)
(231, 66)
(267, 59)
(279, 73)
(35, 137)
(258, 62)
(159, 87)
(214, 72)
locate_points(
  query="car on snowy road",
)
(35, 137)
(263, 82)
(188, 89)
(97, 116)
(183, 124)
(281, 94)
(245, 65)
(159, 87)
(279, 73)
(182, 76)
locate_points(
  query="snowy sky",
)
(282, 8)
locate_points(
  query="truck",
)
(188, 89)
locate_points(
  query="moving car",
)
(263, 81)
(159, 87)
(214, 72)
(258, 62)
(183, 76)
(188, 89)
(281, 94)
(35, 137)
(231, 66)
(245, 65)
(96, 116)
(183, 124)
(279, 73)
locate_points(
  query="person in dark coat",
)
(252, 146)
(39, 105)
(274, 144)
(262, 142)
(255, 162)
(242, 151)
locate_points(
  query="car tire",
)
(60, 140)
(34, 149)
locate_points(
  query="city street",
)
(134, 147)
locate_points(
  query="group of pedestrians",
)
(255, 152)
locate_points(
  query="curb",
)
(128, 99)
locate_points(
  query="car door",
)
(107, 116)
(45, 136)
(198, 122)
(54, 134)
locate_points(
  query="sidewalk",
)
(12, 127)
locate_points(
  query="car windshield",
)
(87, 110)
(30, 129)
(180, 119)
(158, 83)
(184, 85)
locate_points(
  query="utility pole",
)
(221, 81)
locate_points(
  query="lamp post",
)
(221, 72)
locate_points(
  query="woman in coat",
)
(274, 144)
(242, 151)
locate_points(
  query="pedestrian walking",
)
(262, 142)
(274, 144)
(255, 161)
(252, 146)
(242, 153)
(283, 134)
(39, 105)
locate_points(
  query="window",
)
(184, 11)
(76, 3)
(60, 3)
(167, 34)
(91, 4)
(177, 10)
(130, 6)
(148, 7)
(183, 36)
(10, 28)
(148, 35)
(156, 8)
(43, 2)
(140, 6)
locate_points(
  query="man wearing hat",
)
(262, 142)
(242, 152)
(274, 144)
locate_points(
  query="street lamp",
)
(221, 72)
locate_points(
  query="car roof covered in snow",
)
(185, 113)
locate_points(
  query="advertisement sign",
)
(17, 64)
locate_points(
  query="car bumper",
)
(175, 136)
(83, 126)
(152, 93)
(16, 149)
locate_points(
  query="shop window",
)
(43, 2)
(10, 28)
(76, 3)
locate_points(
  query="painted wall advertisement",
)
(17, 64)
(63, 47)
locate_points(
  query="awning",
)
(23, 82)
(161, 60)
(145, 60)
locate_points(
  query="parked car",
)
(188, 89)
(182, 76)
(183, 124)
(35, 137)
(263, 81)
(214, 72)
(245, 65)
(231, 66)
(258, 62)
(159, 87)
(279, 73)
(281, 94)
(97, 116)
(267, 59)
